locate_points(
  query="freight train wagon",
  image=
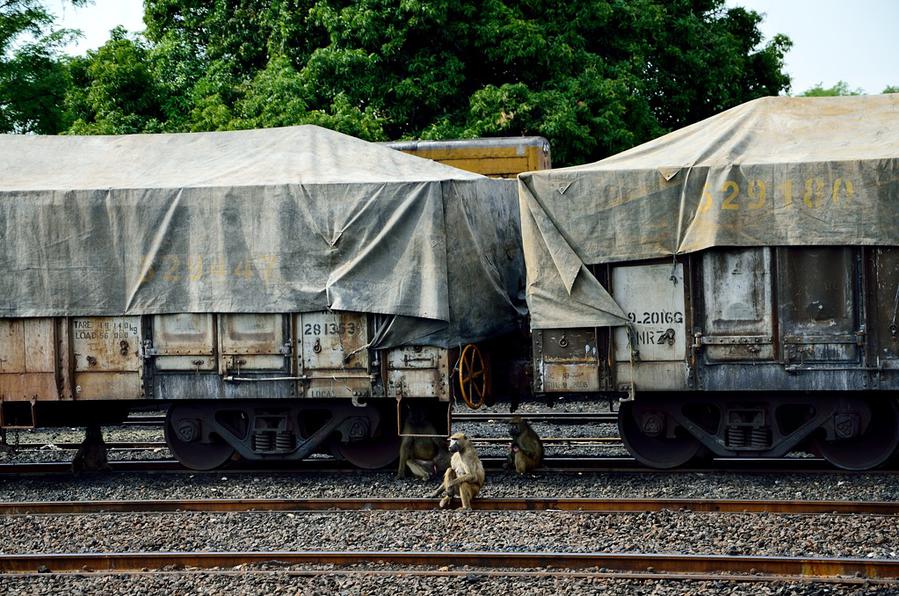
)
(735, 282)
(280, 292)
(500, 157)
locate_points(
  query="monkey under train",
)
(733, 285)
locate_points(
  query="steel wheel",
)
(374, 452)
(654, 451)
(194, 454)
(472, 377)
(370, 454)
(871, 449)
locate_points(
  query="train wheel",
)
(871, 449)
(181, 434)
(654, 451)
(370, 454)
(375, 452)
(472, 377)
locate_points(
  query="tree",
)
(594, 76)
(891, 89)
(840, 88)
(115, 91)
(33, 78)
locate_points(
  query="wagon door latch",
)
(893, 327)
(666, 338)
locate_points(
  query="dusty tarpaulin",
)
(295, 219)
(777, 171)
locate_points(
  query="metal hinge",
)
(147, 350)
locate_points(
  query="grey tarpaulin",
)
(295, 219)
(782, 171)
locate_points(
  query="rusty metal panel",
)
(418, 371)
(107, 359)
(333, 340)
(39, 345)
(108, 385)
(27, 360)
(106, 344)
(252, 342)
(652, 376)
(817, 289)
(333, 356)
(411, 357)
(737, 295)
(184, 341)
(28, 386)
(566, 360)
(573, 378)
(12, 346)
(654, 303)
(884, 307)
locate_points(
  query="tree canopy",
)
(838, 89)
(33, 78)
(593, 76)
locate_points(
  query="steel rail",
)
(478, 441)
(556, 417)
(583, 465)
(423, 504)
(806, 568)
(119, 445)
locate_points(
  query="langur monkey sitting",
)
(465, 476)
(526, 450)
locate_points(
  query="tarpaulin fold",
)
(297, 219)
(777, 171)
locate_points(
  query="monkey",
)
(526, 449)
(465, 476)
(91, 455)
(423, 456)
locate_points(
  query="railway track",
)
(554, 417)
(657, 566)
(422, 504)
(493, 464)
(478, 442)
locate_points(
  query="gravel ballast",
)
(870, 536)
(870, 486)
(469, 583)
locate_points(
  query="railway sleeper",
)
(854, 431)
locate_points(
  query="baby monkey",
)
(526, 449)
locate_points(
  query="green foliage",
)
(115, 91)
(594, 76)
(840, 88)
(33, 79)
(891, 89)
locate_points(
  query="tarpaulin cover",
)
(777, 171)
(297, 219)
